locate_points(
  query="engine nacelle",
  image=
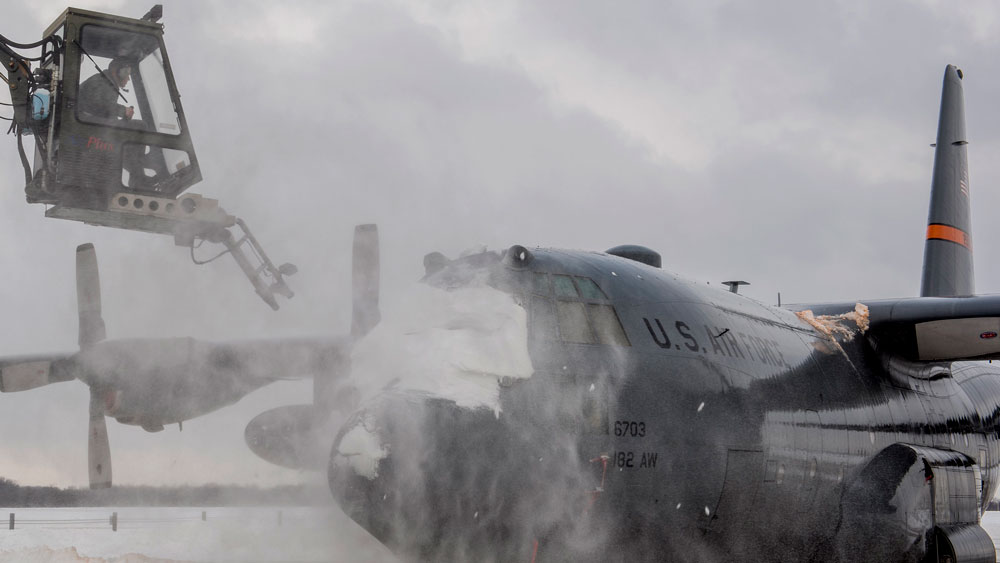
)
(915, 500)
(287, 436)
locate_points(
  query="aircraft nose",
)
(400, 445)
(356, 459)
(407, 467)
(412, 469)
(409, 459)
(366, 456)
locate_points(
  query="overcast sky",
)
(783, 143)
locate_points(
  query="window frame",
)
(546, 290)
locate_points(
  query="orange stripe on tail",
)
(937, 231)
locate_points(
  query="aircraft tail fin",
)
(948, 269)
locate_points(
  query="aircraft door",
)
(744, 473)
(595, 438)
(578, 407)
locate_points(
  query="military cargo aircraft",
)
(153, 382)
(662, 419)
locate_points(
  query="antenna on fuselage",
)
(734, 286)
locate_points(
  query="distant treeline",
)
(14, 495)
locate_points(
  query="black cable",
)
(24, 159)
(43, 150)
(17, 56)
(212, 259)
(27, 58)
(7, 118)
(38, 43)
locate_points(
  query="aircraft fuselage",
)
(671, 418)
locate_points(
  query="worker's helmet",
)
(117, 63)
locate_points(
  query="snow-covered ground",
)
(179, 534)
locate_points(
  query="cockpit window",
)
(123, 82)
(589, 290)
(543, 318)
(540, 283)
(571, 309)
(573, 325)
(564, 287)
(607, 326)
(162, 115)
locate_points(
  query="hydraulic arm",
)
(18, 78)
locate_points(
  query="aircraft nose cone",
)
(412, 469)
(362, 470)
(361, 448)
(404, 464)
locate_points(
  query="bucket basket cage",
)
(111, 144)
(106, 114)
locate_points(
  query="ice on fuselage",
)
(362, 448)
(454, 344)
(833, 325)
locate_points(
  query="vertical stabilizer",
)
(948, 268)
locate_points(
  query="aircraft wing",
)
(153, 382)
(135, 362)
(928, 328)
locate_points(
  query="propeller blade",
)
(22, 376)
(98, 447)
(88, 296)
(29, 372)
(365, 280)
